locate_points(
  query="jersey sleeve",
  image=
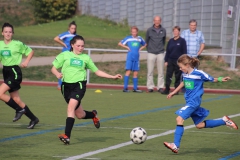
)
(58, 61)
(90, 65)
(142, 41)
(24, 49)
(205, 77)
(61, 36)
(124, 41)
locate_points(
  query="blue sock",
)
(135, 83)
(178, 135)
(126, 79)
(211, 123)
(59, 82)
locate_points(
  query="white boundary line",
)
(130, 142)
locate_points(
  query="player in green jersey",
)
(73, 66)
(11, 52)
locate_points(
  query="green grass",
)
(47, 103)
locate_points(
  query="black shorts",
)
(12, 76)
(73, 90)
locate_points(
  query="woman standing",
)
(11, 52)
(64, 40)
(73, 66)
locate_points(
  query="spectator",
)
(155, 39)
(175, 48)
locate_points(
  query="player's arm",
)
(176, 90)
(29, 57)
(58, 40)
(144, 46)
(56, 73)
(221, 79)
(100, 73)
(124, 46)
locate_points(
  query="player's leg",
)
(135, 69)
(151, 60)
(34, 120)
(10, 102)
(83, 114)
(160, 68)
(126, 76)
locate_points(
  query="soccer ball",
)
(138, 135)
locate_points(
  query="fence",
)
(90, 50)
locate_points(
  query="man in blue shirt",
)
(194, 39)
(133, 44)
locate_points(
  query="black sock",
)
(29, 114)
(11, 103)
(89, 115)
(69, 126)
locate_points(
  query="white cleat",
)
(229, 122)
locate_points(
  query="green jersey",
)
(74, 67)
(11, 53)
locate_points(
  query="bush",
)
(52, 10)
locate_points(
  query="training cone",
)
(98, 91)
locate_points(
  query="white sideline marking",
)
(129, 143)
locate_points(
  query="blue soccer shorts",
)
(198, 114)
(132, 65)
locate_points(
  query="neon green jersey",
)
(74, 66)
(11, 53)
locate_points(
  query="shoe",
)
(229, 122)
(149, 90)
(64, 138)
(137, 91)
(96, 120)
(126, 90)
(160, 90)
(172, 147)
(19, 115)
(165, 92)
(33, 123)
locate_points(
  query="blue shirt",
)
(175, 48)
(134, 44)
(193, 40)
(66, 37)
(193, 84)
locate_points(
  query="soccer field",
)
(119, 113)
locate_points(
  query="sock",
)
(89, 115)
(126, 79)
(29, 114)
(59, 82)
(178, 135)
(69, 126)
(214, 123)
(135, 83)
(11, 103)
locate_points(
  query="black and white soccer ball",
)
(138, 135)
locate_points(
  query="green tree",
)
(52, 10)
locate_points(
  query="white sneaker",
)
(172, 147)
(229, 122)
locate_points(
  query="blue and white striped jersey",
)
(193, 83)
(134, 44)
(66, 38)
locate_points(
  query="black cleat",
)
(33, 123)
(64, 138)
(19, 115)
(96, 120)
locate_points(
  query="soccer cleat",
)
(33, 123)
(172, 147)
(19, 115)
(96, 120)
(137, 91)
(125, 90)
(64, 138)
(229, 122)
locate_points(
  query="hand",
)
(166, 63)
(128, 48)
(117, 76)
(225, 79)
(24, 64)
(59, 75)
(170, 95)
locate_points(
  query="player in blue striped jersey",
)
(64, 40)
(193, 80)
(134, 44)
